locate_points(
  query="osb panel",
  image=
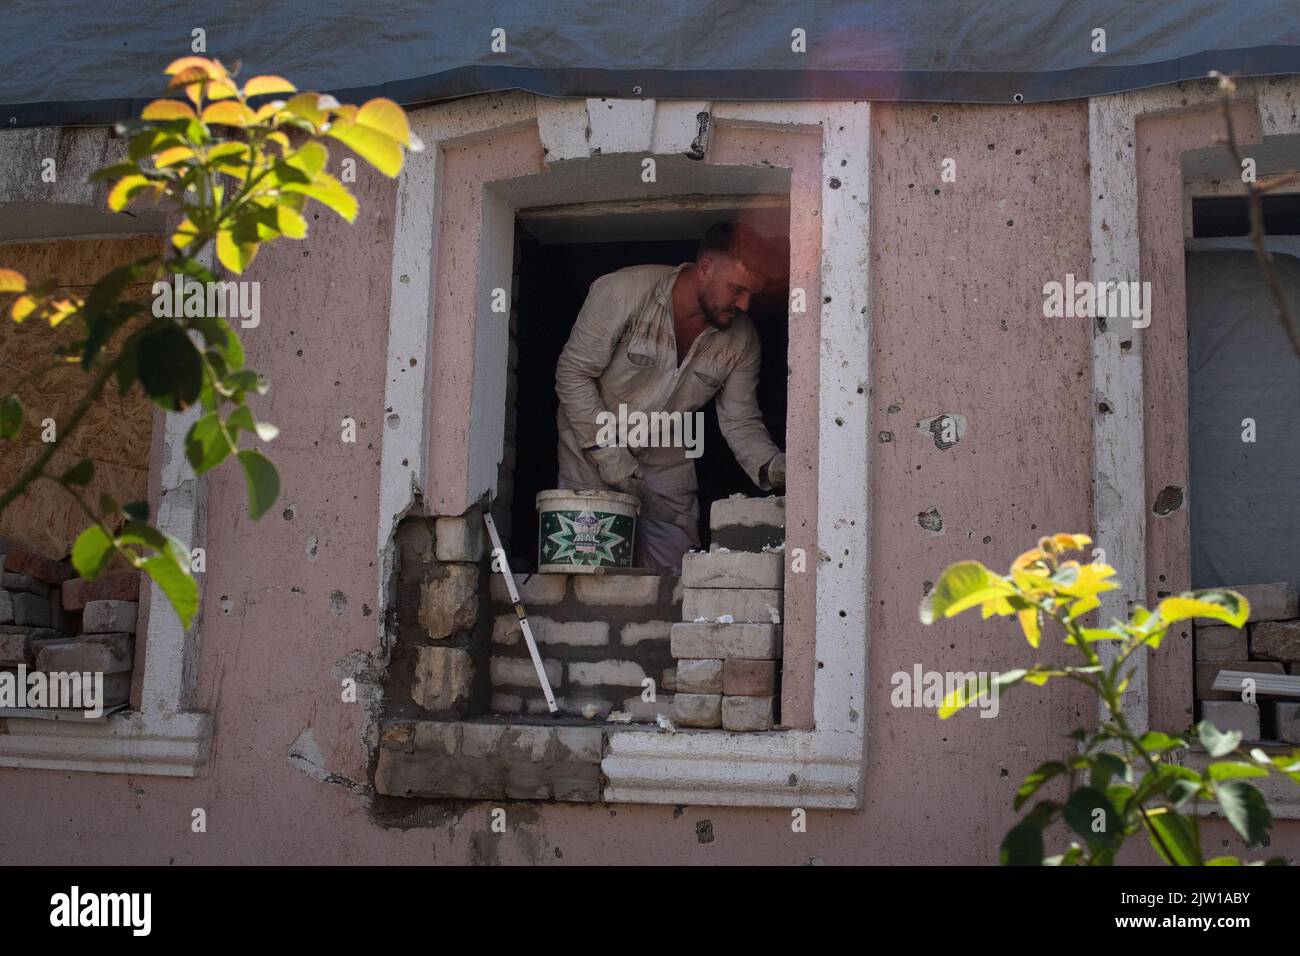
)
(115, 433)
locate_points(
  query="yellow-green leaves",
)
(263, 85)
(963, 585)
(12, 281)
(1222, 605)
(376, 132)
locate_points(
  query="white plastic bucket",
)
(581, 531)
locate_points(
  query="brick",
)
(27, 610)
(443, 678)
(646, 711)
(507, 704)
(534, 589)
(18, 561)
(450, 603)
(108, 653)
(1275, 640)
(747, 713)
(1206, 672)
(1220, 643)
(615, 673)
(646, 631)
(697, 710)
(1271, 602)
(744, 605)
(107, 617)
(6, 608)
(622, 590)
(69, 622)
(749, 678)
(23, 582)
(699, 676)
(1288, 721)
(726, 641)
(19, 645)
(115, 586)
(733, 569)
(747, 513)
(460, 538)
(506, 630)
(587, 707)
(519, 672)
(1228, 715)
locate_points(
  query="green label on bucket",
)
(586, 538)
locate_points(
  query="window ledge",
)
(790, 768)
(167, 745)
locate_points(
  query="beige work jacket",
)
(623, 349)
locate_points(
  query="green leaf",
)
(176, 582)
(11, 416)
(137, 511)
(91, 552)
(1178, 836)
(1216, 742)
(1091, 816)
(207, 443)
(1233, 769)
(1119, 795)
(234, 252)
(329, 191)
(1107, 766)
(170, 367)
(377, 149)
(1221, 605)
(1034, 782)
(1245, 808)
(262, 480)
(1223, 861)
(963, 585)
(79, 474)
(1022, 846)
(1154, 741)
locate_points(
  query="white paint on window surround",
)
(822, 767)
(164, 737)
(1119, 485)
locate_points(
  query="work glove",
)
(615, 465)
(776, 472)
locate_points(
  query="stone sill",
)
(155, 744)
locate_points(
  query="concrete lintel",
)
(168, 745)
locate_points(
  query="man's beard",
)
(719, 319)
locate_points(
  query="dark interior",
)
(1216, 216)
(553, 283)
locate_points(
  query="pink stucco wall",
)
(958, 270)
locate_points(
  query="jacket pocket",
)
(642, 359)
(712, 383)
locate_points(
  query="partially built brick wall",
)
(1269, 645)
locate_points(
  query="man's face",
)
(725, 288)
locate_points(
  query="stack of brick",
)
(1269, 644)
(729, 643)
(601, 637)
(437, 666)
(51, 621)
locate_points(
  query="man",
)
(666, 339)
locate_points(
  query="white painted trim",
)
(708, 767)
(166, 745)
(163, 737)
(1118, 439)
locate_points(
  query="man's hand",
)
(776, 472)
(615, 465)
